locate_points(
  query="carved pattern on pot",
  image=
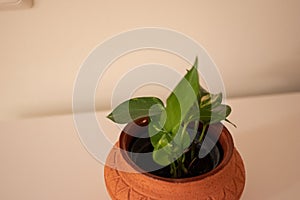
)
(122, 189)
(230, 192)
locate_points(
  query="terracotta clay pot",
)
(124, 180)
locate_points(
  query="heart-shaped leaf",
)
(136, 108)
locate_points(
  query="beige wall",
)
(256, 45)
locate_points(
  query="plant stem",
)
(203, 131)
(196, 125)
(193, 143)
(193, 150)
(182, 157)
(183, 168)
(179, 168)
(183, 130)
(173, 169)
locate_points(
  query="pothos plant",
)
(170, 125)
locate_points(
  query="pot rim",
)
(225, 140)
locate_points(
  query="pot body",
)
(124, 181)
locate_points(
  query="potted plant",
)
(180, 150)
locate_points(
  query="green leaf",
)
(165, 152)
(210, 101)
(156, 134)
(161, 141)
(167, 147)
(136, 108)
(155, 127)
(162, 155)
(211, 109)
(214, 115)
(182, 99)
(182, 140)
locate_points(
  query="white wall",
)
(256, 45)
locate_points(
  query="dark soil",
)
(196, 167)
